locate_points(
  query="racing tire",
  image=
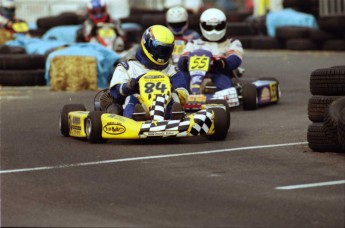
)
(250, 97)
(328, 81)
(318, 105)
(331, 119)
(226, 105)
(220, 129)
(22, 62)
(93, 127)
(318, 140)
(22, 77)
(341, 129)
(64, 121)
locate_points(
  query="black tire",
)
(302, 44)
(318, 105)
(17, 50)
(292, 32)
(266, 43)
(341, 129)
(53, 21)
(250, 97)
(226, 105)
(5, 49)
(22, 62)
(334, 45)
(331, 119)
(318, 140)
(63, 118)
(22, 78)
(239, 29)
(328, 81)
(93, 127)
(221, 130)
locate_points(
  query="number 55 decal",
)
(199, 63)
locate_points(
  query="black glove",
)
(183, 63)
(220, 65)
(133, 85)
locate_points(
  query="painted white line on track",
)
(312, 185)
(149, 157)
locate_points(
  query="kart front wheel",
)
(250, 97)
(220, 124)
(93, 127)
(64, 121)
(226, 105)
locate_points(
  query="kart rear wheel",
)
(220, 128)
(226, 105)
(250, 97)
(93, 127)
(63, 119)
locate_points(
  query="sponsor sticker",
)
(114, 129)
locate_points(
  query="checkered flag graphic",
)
(157, 111)
(203, 122)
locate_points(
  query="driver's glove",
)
(220, 65)
(183, 63)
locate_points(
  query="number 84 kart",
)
(155, 92)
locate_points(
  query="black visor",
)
(159, 51)
(178, 25)
(218, 27)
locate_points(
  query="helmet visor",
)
(177, 25)
(9, 13)
(98, 12)
(159, 51)
(217, 27)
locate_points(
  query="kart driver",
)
(227, 53)
(157, 44)
(96, 15)
(8, 14)
(177, 22)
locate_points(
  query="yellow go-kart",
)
(155, 91)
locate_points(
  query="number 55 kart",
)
(261, 92)
(155, 92)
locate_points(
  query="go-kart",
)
(155, 92)
(261, 92)
(107, 36)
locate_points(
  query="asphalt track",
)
(262, 175)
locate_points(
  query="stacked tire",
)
(20, 69)
(326, 110)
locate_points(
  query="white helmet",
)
(213, 24)
(177, 20)
(8, 8)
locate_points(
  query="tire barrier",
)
(20, 69)
(326, 110)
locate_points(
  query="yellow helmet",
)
(157, 44)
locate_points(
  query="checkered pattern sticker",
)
(203, 122)
(178, 128)
(158, 108)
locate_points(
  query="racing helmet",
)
(157, 44)
(8, 9)
(213, 24)
(97, 11)
(177, 20)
